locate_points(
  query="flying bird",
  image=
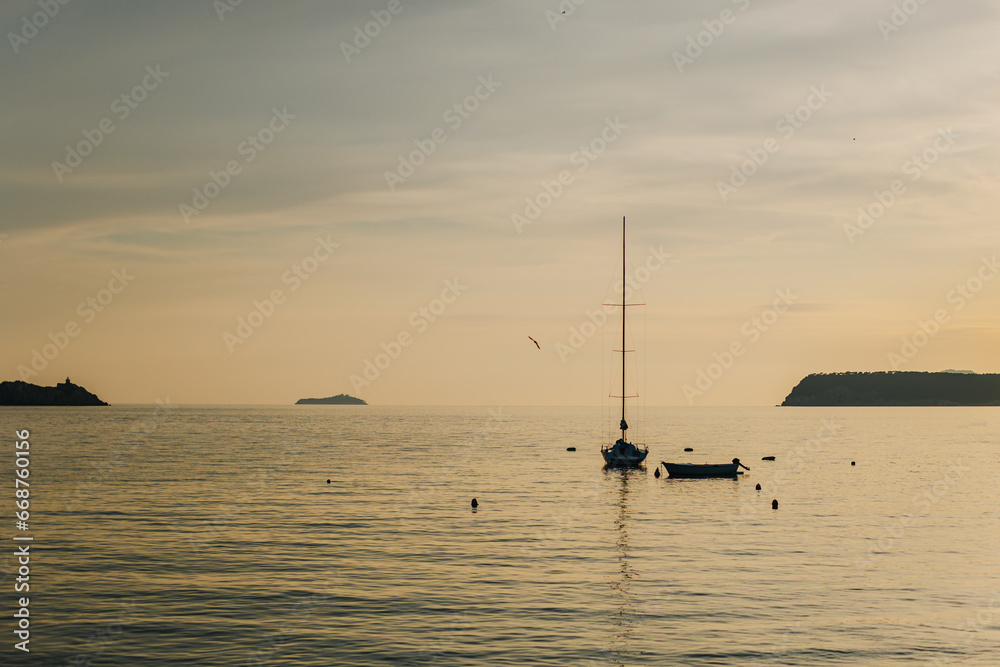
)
(535, 342)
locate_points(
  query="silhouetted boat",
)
(623, 454)
(690, 470)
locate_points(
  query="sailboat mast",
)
(623, 328)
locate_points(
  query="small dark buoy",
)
(758, 487)
(774, 504)
(852, 462)
(327, 481)
(571, 449)
(689, 449)
(767, 458)
(657, 473)
(475, 503)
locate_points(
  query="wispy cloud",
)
(325, 173)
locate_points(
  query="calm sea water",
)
(210, 536)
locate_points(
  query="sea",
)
(345, 535)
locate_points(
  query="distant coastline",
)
(886, 388)
(64, 393)
(339, 399)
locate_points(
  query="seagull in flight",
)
(535, 342)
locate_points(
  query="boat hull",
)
(628, 459)
(693, 470)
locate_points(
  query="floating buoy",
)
(475, 503)
(852, 462)
(758, 487)
(767, 458)
(571, 449)
(774, 504)
(689, 449)
(657, 473)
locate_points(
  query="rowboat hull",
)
(691, 470)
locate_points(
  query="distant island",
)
(339, 399)
(64, 393)
(896, 388)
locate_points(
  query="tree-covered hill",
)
(896, 388)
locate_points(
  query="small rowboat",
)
(695, 470)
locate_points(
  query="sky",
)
(255, 202)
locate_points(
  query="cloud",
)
(325, 171)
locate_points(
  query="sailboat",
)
(623, 454)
